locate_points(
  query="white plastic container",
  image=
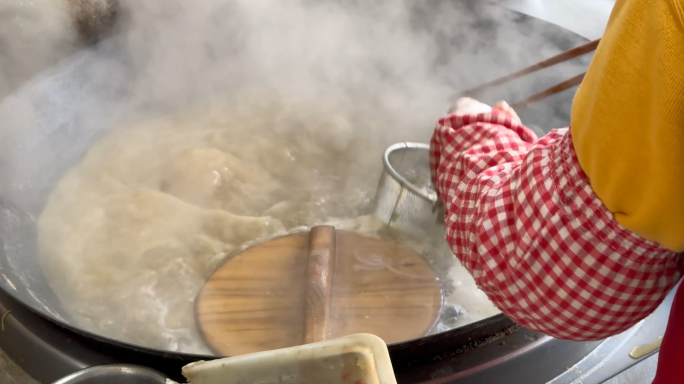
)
(355, 359)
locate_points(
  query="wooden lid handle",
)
(319, 278)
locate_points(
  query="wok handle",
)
(319, 279)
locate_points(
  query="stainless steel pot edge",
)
(114, 374)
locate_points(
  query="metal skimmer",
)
(405, 198)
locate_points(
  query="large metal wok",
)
(48, 125)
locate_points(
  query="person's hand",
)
(504, 107)
(468, 106)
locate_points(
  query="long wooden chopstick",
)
(567, 84)
(561, 57)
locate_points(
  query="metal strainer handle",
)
(426, 193)
(402, 204)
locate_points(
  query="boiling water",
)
(132, 231)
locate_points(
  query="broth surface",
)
(133, 230)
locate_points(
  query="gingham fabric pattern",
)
(522, 218)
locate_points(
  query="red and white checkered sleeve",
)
(522, 218)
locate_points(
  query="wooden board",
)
(256, 301)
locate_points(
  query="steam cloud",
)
(388, 67)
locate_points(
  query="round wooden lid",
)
(311, 286)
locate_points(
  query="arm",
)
(521, 217)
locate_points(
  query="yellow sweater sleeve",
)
(627, 119)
